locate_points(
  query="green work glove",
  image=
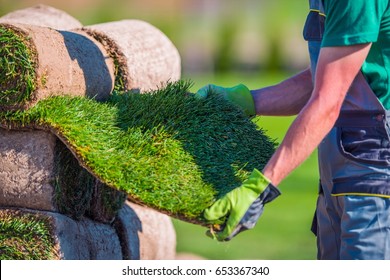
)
(239, 95)
(241, 207)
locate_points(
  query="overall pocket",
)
(365, 144)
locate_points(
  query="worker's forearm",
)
(337, 68)
(286, 98)
(304, 135)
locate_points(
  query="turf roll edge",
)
(39, 62)
(145, 58)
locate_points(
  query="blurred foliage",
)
(214, 28)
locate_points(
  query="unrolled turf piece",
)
(164, 148)
(42, 15)
(144, 57)
(38, 62)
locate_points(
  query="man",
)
(342, 103)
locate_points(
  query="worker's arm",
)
(336, 70)
(286, 98)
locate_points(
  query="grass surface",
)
(165, 149)
(17, 69)
(25, 237)
(283, 232)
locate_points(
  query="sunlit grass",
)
(17, 69)
(165, 149)
(283, 232)
(25, 237)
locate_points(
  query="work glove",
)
(239, 95)
(241, 207)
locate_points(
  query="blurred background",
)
(213, 36)
(226, 42)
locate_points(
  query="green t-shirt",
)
(350, 22)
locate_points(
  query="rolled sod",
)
(145, 58)
(38, 172)
(42, 15)
(165, 148)
(38, 62)
(40, 235)
(25, 236)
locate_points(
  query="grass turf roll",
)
(165, 149)
(26, 236)
(42, 15)
(145, 58)
(38, 62)
(17, 67)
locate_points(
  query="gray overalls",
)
(352, 218)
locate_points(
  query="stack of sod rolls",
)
(137, 233)
(62, 205)
(38, 62)
(77, 140)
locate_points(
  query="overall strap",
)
(317, 6)
(360, 96)
(314, 30)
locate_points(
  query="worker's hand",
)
(239, 95)
(241, 207)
